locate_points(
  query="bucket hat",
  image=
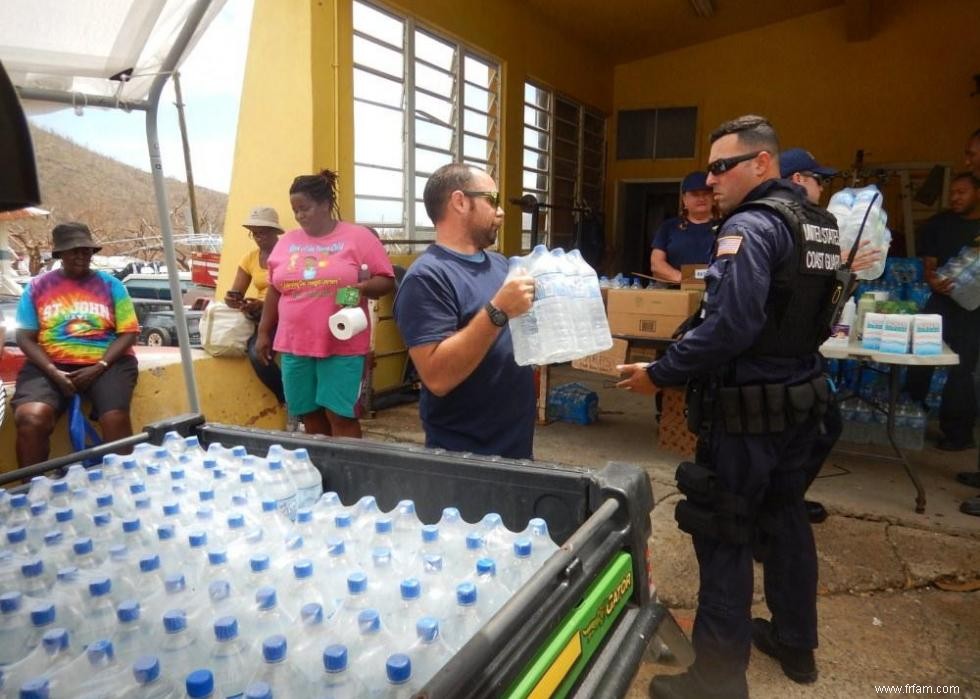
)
(68, 236)
(263, 217)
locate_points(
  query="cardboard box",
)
(653, 313)
(619, 353)
(692, 277)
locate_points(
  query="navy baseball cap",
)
(801, 160)
(694, 181)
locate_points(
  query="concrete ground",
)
(899, 596)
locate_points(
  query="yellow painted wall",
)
(903, 95)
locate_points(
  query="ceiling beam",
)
(858, 20)
(703, 8)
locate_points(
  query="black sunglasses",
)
(722, 165)
(492, 197)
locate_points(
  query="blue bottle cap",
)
(104, 500)
(10, 602)
(160, 453)
(342, 521)
(382, 525)
(226, 628)
(427, 629)
(369, 621)
(95, 475)
(239, 500)
(238, 451)
(33, 568)
(174, 620)
(146, 669)
(236, 521)
(191, 442)
(311, 613)
(274, 648)
(209, 463)
(431, 563)
(102, 519)
(53, 538)
(68, 574)
(118, 552)
(522, 547)
(430, 532)
(405, 507)
(197, 539)
(136, 488)
(486, 566)
(268, 505)
(99, 587)
(301, 454)
(199, 684)
(474, 541)
(142, 503)
(129, 464)
(54, 640)
(36, 688)
(304, 515)
(174, 582)
(100, 651)
(82, 546)
(62, 514)
(246, 476)
(303, 568)
(275, 465)
(171, 508)
(149, 563)
(335, 658)
(38, 508)
(217, 557)
(131, 524)
(356, 583)
(16, 535)
(381, 556)
(492, 520)
(336, 547)
(204, 514)
(466, 594)
(219, 590)
(411, 588)
(265, 597)
(59, 487)
(165, 532)
(259, 562)
(258, 690)
(128, 611)
(42, 614)
(399, 668)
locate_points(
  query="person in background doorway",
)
(972, 154)
(77, 328)
(322, 374)
(264, 229)
(686, 239)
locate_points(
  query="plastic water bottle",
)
(14, 628)
(279, 487)
(466, 619)
(199, 684)
(150, 683)
(542, 544)
(525, 330)
(268, 619)
(35, 688)
(51, 654)
(284, 679)
(574, 306)
(60, 495)
(430, 544)
(429, 651)
(229, 658)
(100, 613)
(309, 641)
(136, 538)
(521, 566)
(258, 690)
(305, 588)
(499, 539)
(436, 593)
(96, 675)
(275, 525)
(374, 644)
(594, 310)
(409, 608)
(83, 554)
(492, 592)
(17, 541)
(306, 478)
(337, 681)
(352, 605)
(34, 580)
(131, 633)
(398, 672)
(179, 649)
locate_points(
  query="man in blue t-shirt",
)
(452, 309)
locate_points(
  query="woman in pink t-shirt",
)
(321, 374)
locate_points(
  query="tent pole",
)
(163, 212)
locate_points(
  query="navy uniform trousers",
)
(757, 467)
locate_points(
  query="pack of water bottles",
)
(179, 571)
(567, 319)
(862, 206)
(964, 271)
(574, 403)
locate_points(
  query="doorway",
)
(642, 207)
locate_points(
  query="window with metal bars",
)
(420, 101)
(564, 156)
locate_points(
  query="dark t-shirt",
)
(943, 235)
(685, 246)
(492, 411)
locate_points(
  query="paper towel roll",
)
(347, 322)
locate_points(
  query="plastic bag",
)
(225, 331)
(80, 431)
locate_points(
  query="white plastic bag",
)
(225, 331)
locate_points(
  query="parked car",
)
(157, 287)
(158, 323)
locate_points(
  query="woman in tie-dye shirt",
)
(77, 328)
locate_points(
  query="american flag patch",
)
(728, 245)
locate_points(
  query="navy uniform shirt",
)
(750, 247)
(685, 246)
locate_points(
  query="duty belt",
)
(757, 408)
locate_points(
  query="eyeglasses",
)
(492, 197)
(819, 179)
(722, 165)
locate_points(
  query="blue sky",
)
(211, 82)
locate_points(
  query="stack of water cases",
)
(567, 319)
(180, 572)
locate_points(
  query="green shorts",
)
(312, 383)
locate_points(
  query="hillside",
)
(114, 199)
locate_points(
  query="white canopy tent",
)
(115, 54)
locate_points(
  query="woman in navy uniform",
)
(687, 239)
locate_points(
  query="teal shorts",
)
(312, 383)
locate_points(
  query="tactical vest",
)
(800, 303)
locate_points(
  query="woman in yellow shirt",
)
(263, 228)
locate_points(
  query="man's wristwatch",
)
(497, 317)
(103, 363)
